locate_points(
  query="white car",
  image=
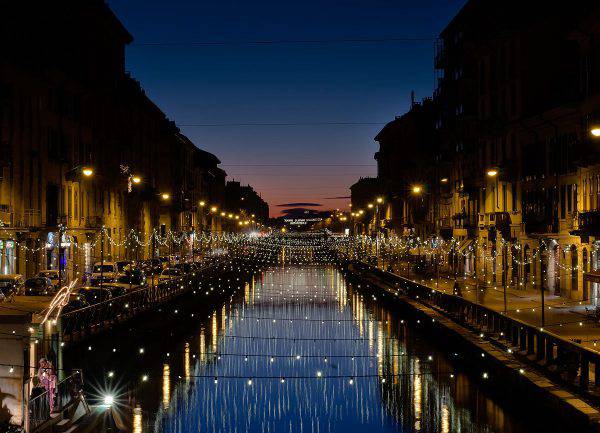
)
(170, 273)
(53, 275)
(106, 272)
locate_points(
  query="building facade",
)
(504, 157)
(90, 167)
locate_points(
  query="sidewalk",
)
(568, 318)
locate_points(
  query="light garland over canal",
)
(294, 348)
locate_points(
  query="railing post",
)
(540, 346)
(584, 375)
(530, 341)
(549, 350)
(523, 339)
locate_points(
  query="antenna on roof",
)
(412, 98)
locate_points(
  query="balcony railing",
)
(589, 223)
(27, 219)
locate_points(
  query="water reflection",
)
(166, 388)
(299, 350)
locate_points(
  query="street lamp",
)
(213, 209)
(444, 180)
(165, 196)
(370, 205)
(595, 131)
(202, 203)
(87, 171)
(416, 189)
(379, 200)
(136, 179)
(492, 172)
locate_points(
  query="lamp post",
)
(416, 190)
(86, 171)
(378, 201)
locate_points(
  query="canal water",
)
(295, 349)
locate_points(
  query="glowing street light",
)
(108, 400)
(492, 172)
(444, 180)
(165, 196)
(595, 131)
(202, 203)
(87, 171)
(416, 189)
(379, 200)
(213, 209)
(370, 205)
(136, 179)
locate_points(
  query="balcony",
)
(31, 218)
(535, 223)
(94, 222)
(588, 223)
(28, 219)
(503, 223)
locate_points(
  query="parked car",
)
(186, 268)
(76, 303)
(155, 267)
(53, 275)
(106, 272)
(170, 273)
(132, 280)
(124, 265)
(94, 295)
(115, 289)
(38, 286)
(10, 285)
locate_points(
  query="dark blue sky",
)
(285, 83)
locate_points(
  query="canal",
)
(293, 349)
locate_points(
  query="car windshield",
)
(106, 268)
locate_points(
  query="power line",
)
(216, 125)
(297, 165)
(285, 42)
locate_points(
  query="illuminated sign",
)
(301, 221)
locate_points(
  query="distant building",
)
(244, 200)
